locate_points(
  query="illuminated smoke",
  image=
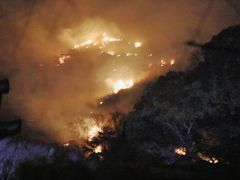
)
(60, 56)
(94, 132)
(138, 44)
(122, 84)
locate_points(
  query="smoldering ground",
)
(34, 33)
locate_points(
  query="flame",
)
(106, 38)
(94, 132)
(98, 149)
(66, 144)
(211, 160)
(172, 62)
(102, 39)
(112, 53)
(128, 54)
(85, 43)
(122, 84)
(63, 58)
(137, 44)
(182, 151)
(163, 62)
(121, 75)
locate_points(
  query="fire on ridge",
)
(120, 51)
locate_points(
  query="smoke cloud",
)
(33, 34)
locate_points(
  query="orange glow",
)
(98, 149)
(182, 151)
(211, 160)
(66, 144)
(63, 58)
(100, 39)
(93, 132)
(122, 84)
(172, 62)
(137, 44)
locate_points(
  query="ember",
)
(211, 160)
(137, 44)
(98, 149)
(122, 84)
(182, 151)
(94, 132)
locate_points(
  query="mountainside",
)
(195, 112)
(186, 125)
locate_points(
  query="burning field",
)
(97, 60)
(105, 81)
(123, 63)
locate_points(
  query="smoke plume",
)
(34, 34)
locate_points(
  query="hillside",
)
(185, 126)
(197, 111)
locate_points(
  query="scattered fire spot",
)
(66, 144)
(182, 151)
(94, 132)
(137, 44)
(122, 84)
(63, 58)
(98, 149)
(172, 62)
(204, 157)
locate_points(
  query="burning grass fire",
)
(99, 40)
(116, 88)
(88, 134)
(121, 60)
(206, 158)
(93, 132)
(182, 151)
(122, 84)
(124, 61)
(95, 59)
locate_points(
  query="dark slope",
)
(197, 109)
